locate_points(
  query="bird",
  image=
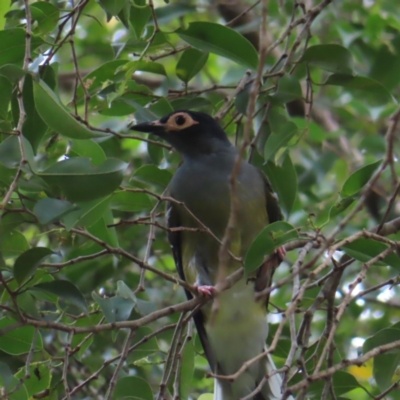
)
(237, 331)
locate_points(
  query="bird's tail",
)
(271, 390)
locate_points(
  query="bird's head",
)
(191, 133)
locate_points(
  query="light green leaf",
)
(57, 117)
(19, 340)
(358, 179)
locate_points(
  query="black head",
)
(190, 132)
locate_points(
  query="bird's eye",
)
(180, 120)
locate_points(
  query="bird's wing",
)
(273, 210)
(175, 239)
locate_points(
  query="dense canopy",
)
(91, 305)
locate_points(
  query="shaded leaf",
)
(50, 210)
(154, 175)
(330, 57)
(130, 201)
(27, 263)
(271, 237)
(64, 290)
(115, 308)
(123, 389)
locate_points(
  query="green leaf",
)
(139, 16)
(270, 238)
(15, 390)
(364, 249)
(12, 45)
(39, 377)
(46, 15)
(153, 175)
(358, 179)
(123, 389)
(19, 340)
(34, 127)
(343, 382)
(27, 263)
(88, 213)
(78, 180)
(50, 210)
(64, 290)
(130, 201)
(284, 182)
(115, 308)
(279, 138)
(385, 365)
(10, 153)
(190, 64)
(341, 206)
(362, 86)
(112, 7)
(142, 65)
(12, 243)
(289, 89)
(214, 38)
(88, 149)
(12, 72)
(187, 370)
(56, 116)
(148, 347)
(329, 57)
(5, 96)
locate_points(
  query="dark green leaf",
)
(148, 347)
(46, 15)
(27, 263)
(190, 64)
(221, 40)
(329, 57)
(5, 96)
(10, 153)
(273, 236)
(64, 290)
(88, 149)
(78, 180)
(284, 182)
(358, 179)
(340, 206)
(50, 210)
(279, 138)
(343, 382)
(12, 72)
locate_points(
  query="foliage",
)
(91, 305)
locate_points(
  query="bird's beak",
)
(149, 127)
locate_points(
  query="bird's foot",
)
(281, 253)
(205, 290)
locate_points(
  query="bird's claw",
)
(205, 290)
(281, 253)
